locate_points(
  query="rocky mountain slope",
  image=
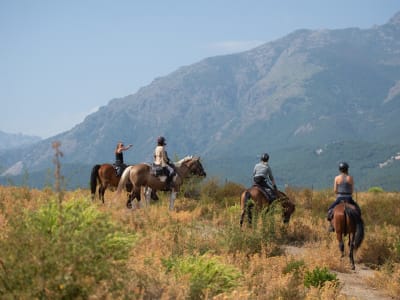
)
(309, 90)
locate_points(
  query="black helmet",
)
(161, 141)
(343, 167)
(264, 157)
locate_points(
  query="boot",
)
(168, 183)
(329, 218)
(330, 228)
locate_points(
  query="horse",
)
(347, 220)
(105, 175)
(260, 201)
(141, 176)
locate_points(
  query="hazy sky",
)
(61, 60)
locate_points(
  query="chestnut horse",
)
(105, 175)
(141, 176)
(260, 201)
(347, 220)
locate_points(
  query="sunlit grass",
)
(199, 251)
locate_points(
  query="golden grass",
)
(207, 227)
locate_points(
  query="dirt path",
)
(355, 283)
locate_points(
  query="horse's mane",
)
(183, 160)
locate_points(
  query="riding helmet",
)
(161, 141)
(343, 166)
(264, 157)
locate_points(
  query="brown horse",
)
(141, 176)
(106, 176)
(347, 220)
(260, 201)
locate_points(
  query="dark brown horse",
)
(141, 176)
(105, 176)
(260, 201)
(347, 221)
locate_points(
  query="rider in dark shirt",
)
(119, 157)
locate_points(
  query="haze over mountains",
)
(310, 99)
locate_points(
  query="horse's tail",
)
(359, 223)
(123, 180)
(93, 179)
(244, 199)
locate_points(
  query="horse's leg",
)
(242, 216)
(129, 202)
(351, 246)
(341, 244)
(249, 214)
(147, 194)
(102, 190)
(172, 198)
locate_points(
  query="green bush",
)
(294, 266)
(375, 189)
(207, 275)
(318, 277)
(62, 252)
(263, 233)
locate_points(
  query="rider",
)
(343, 187)
(119, 157)
(262, 175)
(161, 159)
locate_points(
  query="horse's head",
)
(195, 167)
(287, 205)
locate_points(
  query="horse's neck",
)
(183, 170)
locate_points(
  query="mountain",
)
(12, 140)
(332, 92)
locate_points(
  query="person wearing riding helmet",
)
(161, 159)
(343, 187)
(262, 175)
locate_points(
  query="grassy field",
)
(64, 246)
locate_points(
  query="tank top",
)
(344, 188)
(119, 158)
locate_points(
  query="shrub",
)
(61, 251)
(375, 189)
(294, 266)
(207, 276)
(318, 277)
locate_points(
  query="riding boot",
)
(329, 218)
(168, 183)
(119, 171)
(331, 228)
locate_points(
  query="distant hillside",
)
(12, 140)
(308, 90)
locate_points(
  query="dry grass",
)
(268, 258)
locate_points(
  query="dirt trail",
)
(355, 283)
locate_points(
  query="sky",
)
(62, 60)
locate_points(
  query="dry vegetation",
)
(85, 250)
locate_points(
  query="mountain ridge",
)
(309, 88)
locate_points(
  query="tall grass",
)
(88, 250)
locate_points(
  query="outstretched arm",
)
(126, 148)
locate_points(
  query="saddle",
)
(268, 193)
(349, 204)
(119, 169)
(157, 170)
